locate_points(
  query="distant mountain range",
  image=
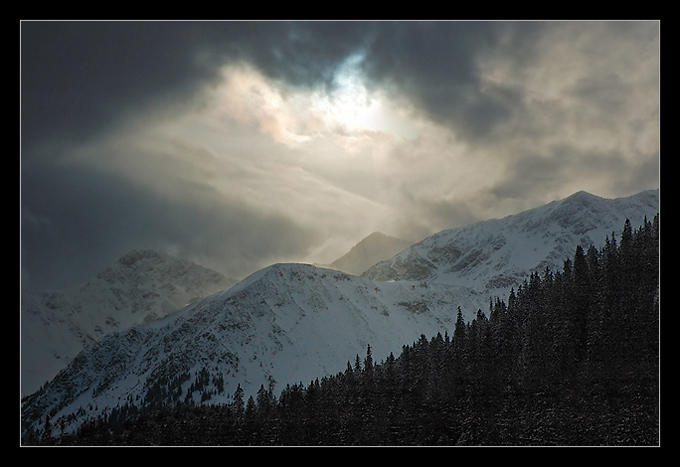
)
(291, 323)
(140, 287)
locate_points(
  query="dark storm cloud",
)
(432, 64)
(78, 220)
(301, 53)
(511, 110)
(80, 81)
(79, 76)
(436, 64)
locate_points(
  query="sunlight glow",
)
(351, 106)
(348, 110)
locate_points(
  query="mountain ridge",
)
(140, 286)
(292, 322)
(287, 323)
(497, 254)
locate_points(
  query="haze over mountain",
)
(290, 323)
(141, 286)
(372, 249)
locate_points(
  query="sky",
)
(238, 144)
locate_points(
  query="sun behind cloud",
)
(345, 111)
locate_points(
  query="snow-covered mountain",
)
(140, 287)
(372, 249)
(291, 323)
(284, 324)
(494, 255)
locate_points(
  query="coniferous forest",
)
(572, 358)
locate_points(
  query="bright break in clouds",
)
(240, 144)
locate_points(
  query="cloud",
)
(79, 77)
(87, 215)
(243, 143)
(585, 95)
(437, 65)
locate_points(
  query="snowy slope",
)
(285, 324)
(141, 286)
(291, 323)
(493, 256)
(372, 249)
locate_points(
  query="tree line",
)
(571, 358)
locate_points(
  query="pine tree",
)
(237, 403)
(581, 297)
(459, 329)
(512, 378)
(368, 362)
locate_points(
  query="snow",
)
(286, 324)
(141, 286)
(493, 256)
(291, 323)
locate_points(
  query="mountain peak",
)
(372, 249)
(498, 253)
(582, 195)
(141, 286)
(136, 256)
(136, 265)
(286, 323)
(292, 322)
(376, 236)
